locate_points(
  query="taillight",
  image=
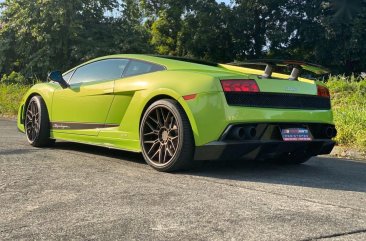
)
(240, 85)
(323, 91)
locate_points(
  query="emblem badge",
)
(292, 89)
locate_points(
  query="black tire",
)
(166, 137)
(292, 159)
(37, 123)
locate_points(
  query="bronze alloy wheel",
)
(161, 135)
(32, 121)
(166, 136)
(36, 123)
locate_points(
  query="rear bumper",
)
(259, 149)
(210, 115)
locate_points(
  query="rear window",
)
(136, 67)
(188, 60)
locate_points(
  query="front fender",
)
(45, 90)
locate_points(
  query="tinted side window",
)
(139, 67)
(101, 70)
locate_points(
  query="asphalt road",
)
(80, 192)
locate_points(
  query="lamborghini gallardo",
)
(178, 111)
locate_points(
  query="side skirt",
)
(112, 143)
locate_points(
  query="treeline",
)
(42, 35)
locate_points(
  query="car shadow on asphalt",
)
(102, 151)
(321, 172)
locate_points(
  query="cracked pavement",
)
(80, 192)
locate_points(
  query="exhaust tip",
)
(331, 132)
(244, 133)
(335, 132)
(250, 132)
(238, 133)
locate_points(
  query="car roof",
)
(169, 62)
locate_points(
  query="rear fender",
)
(140, 102)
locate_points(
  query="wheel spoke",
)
(167, 119)
(35, 128)
(165, 151)
(150, 126)
(161, 154)
(170, 152)
(162, 116)
(157, 152)
(29, 116)
(152, 133)
(149, 142)
(155, 121)
(159, 118)
(172, 144)
(152, 147)
(32, 108)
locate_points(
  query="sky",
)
(224, 1)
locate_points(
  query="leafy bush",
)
(10, 96)
(349, 106)
(13, 78)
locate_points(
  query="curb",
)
(348, 153)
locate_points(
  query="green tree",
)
(42, 34)
(329, 33)
(38, 36)
(131, 35)
(344, 23)
(204, 32)
(164, 18)
(259, 26)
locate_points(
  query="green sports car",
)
(179, 111)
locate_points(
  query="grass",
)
(348, 100)
(349, 106)
(10, 97)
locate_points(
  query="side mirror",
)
(56, 76)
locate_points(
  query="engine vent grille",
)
(278, 100)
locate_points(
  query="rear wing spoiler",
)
(296, 66)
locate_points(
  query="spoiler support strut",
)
(296, 71)
(297, 67)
